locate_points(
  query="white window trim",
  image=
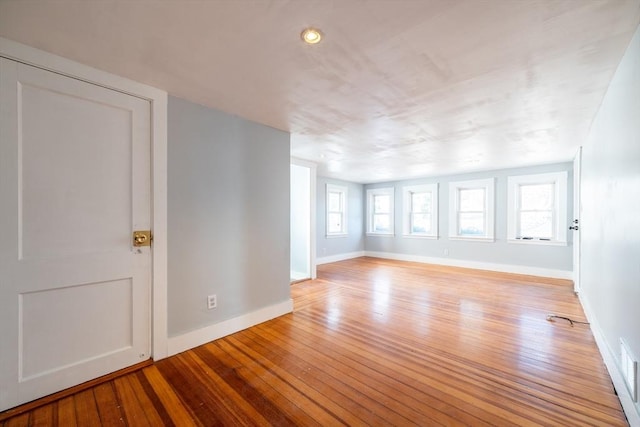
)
(343, 190)
(560, 207)
(406, 214)
(375, 192)
(489, 185)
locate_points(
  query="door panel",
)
(74, 184)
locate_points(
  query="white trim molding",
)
(407, 210)
(372, 193)
(559, 208)
(343, 192)
(488, 185)
(209, 333)
(158, 101)
(503, 268)
(339, 257)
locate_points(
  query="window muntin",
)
(380, 211)
(420, 210)
(336, 210)
(538, 208)
(471, 209)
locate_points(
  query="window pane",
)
(536, 197)
(381, 223)
(421, 202)
(471, 224)
(420, 223)
(335, 223)
(381, 203)
(536, 224)
(334, 202)
(472, 199)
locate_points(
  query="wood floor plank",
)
(376, 342)
(86, 409)
(108, 406)
(67, 412)
(172, 403)
(42, 416)
(21, 420)
(134, 413)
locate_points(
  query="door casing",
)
(158, 100)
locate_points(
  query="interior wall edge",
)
(610, 361)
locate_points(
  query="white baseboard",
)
(631, 409)
(198, 337)
(339, 257)
(504, 268)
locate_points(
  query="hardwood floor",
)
(376, 342)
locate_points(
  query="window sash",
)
(537, 208)
(380, 211)
(336, 210)
(472, 209)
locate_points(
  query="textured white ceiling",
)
(397, 89)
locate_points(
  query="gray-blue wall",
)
(498, 252)
(228, 216)
(354, 241)
(610, 221)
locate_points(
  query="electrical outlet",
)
(446, 252)
(212, 301)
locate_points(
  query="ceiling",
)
(396, 89)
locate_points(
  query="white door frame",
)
(312, 220)
(577, 241)
(158, 101)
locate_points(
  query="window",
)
(471, 209)
(420, 215)
(380, 211)
(336, 210)
(537, 211)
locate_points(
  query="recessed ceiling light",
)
(311, 35)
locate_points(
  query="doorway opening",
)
(303, 181)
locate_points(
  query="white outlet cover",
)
(212, 302)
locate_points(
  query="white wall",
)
(228, 218)
(610, 222)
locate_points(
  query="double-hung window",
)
(336, 210)
(537, 210)
(380, 211)
(471, 209)
(420, 216)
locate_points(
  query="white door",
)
(74, 184)
(575, 225)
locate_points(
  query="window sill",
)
(336, 236)
(473, 239)
(419, 236)
(537, 242)
(380, 234)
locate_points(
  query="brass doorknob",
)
(142, 238)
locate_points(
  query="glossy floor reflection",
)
(477, 342)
